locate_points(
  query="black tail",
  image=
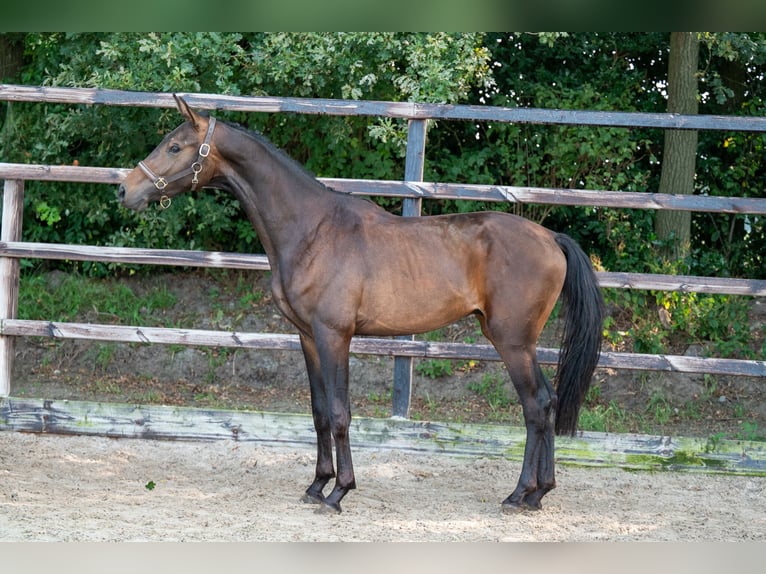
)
(583, 306)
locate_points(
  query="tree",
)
(11, 56)
(673, 228)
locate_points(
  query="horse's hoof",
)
(312, 499)
(328, 508)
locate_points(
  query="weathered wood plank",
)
(549, 196)
(406, 110)
(13, 215)
(631, 451)
(173, 257)
(683, 283)
(430, 190)
(364, 345)
(67, 173)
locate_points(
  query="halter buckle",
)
(204, 150)
(160, 183)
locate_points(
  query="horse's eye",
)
(175, 148)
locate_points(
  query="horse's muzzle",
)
(134, 202)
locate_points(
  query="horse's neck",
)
(280, 201)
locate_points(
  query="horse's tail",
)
(583, 307)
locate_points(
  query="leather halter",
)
(161, 182)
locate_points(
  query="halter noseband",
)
(161, 182)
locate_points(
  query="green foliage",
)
(434, 368)
(43, 298)
(603, 418)
(492, 388)
(658, 320)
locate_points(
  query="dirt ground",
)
(56, 488)
(97, 489)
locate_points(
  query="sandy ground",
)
(64, 488)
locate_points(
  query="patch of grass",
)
(216, 357)
(106, 387)
(434, 368)
(659, 409)
(604, 418)
(691, 411)
(492, 389)
(76, 297)
(749, 431)
(104, 355)
(381, 398)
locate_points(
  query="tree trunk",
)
(11, 56)
(673, 228)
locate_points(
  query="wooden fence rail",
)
(402, 110)
(411, 189)
(361, 345)
(220, 259)
(430, 190)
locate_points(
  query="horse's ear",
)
(186, 111)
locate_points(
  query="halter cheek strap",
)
(161, 182)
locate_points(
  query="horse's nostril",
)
(121, 192)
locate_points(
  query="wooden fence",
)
(412, 189)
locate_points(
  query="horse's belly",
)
(410, 314)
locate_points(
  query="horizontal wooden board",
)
(133, 255)
(363, 345)
(404, 110)
(682, 283)
(431, 190)
(631, 451)
(174, 257)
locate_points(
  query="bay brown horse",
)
(342, 266)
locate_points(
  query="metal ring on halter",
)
(196, 169)
(165, 202)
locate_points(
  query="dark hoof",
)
(328, 508)
(312, 498)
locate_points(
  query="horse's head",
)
(181, 162)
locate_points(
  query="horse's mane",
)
(281, 155)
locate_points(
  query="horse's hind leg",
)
(320, 409)
(538, 405)
(538, 402)
(546, 476)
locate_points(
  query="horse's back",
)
(418, 274)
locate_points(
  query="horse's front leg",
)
(333, 350)
(320, 408)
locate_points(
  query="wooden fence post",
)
(413, 171)
(13, 214)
